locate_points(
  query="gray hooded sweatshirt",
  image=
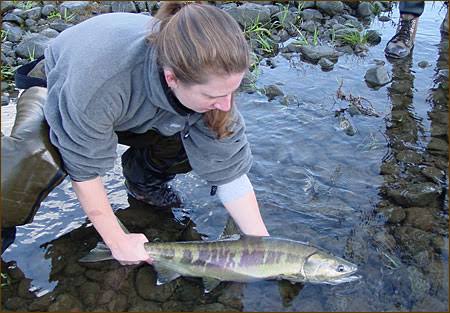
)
(102, 77)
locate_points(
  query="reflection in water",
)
(415, 237)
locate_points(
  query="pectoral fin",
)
(210, 284)
(165, 275)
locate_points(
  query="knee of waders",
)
(31, 165)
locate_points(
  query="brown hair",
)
(196, 41)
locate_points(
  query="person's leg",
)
(401, 44)
(150, 163)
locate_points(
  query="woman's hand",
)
(129, 249)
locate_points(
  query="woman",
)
(168, 95)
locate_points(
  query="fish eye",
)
(340, 268)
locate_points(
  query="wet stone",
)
(116, 278)
(66, 303)
(413, 240)
(188, 289)
(41, 303)
(409, 156)
(145, 306)
(105, 296)
(430, 302)
(118, 303)
(434, 174)
(326, 64)
(423, 64)
(377, 76)
(14, 303)
(146, 286)
(14, 272)
(231, 296)
(420, 218)
(89, 293)
(23, 289)
(213, 307)
(73, 269)
(273, 91)
(416, 194)
(438, 146)
(419, 284)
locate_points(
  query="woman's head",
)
(204, 56)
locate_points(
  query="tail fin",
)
(101, 252)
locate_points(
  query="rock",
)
(23, 290)
(59, 25)
(12, 18)
(13, 304)
(419, 284)
(146, 286)
(438, 146)
(68, 8)
(66, 303)
(123, 6)
(393, 214)
(89, 293)
(412, 240)
(41, 303)
(377, 76)
(105, 296)
(33, 45)
(373, 37)
(47, 9)
(325, 64)
(330, 7)
(50, 33)
(311, 14)
(433, 173)
(423, 64)
(409, 156)
(416, 194)
(5, 98)
(145, 306)
(6, 6)
(310, 26)
(118, 304)
(364, 9)
(315, 53)
(34, 13)
(213, 307)
(384, 18)
(13, 33)
(420, 218)
(116, 278)
(248, 13)
(272, 91)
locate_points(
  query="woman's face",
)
(215, 94)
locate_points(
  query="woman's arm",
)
(245, 212)
(126, 248)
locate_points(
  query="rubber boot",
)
(30, 165)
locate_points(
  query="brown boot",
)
(402, 43)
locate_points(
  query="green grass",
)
(32, 54)
(353, 38)
(66, 17)
(4, 34)
(7, 71)
(25, 5)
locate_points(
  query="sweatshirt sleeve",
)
(218, 161)
(82, 132)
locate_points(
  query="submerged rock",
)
(377, 76)
(315, 53)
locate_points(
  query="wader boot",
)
(30, 165)
(402, 42)
(150, 163)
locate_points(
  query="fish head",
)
(322, 267)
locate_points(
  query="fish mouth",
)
(344, 279)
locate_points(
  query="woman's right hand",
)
(129, 249)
